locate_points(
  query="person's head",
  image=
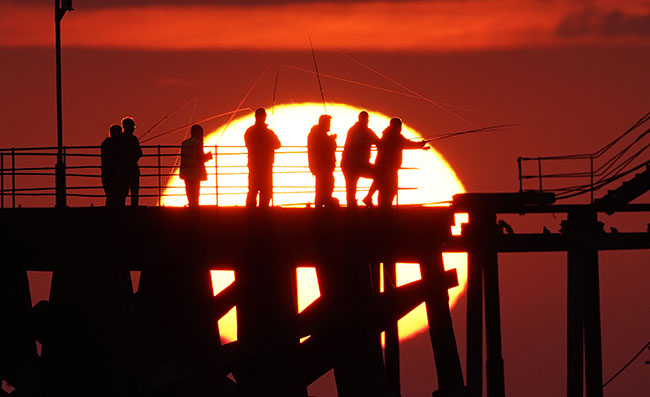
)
(128, 124)
(260, 115)
(325, 121)
(396, 124)
(363, 118)
(197, 131)
(115, 130)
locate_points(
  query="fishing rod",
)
(275, 88)
(167, 116)
(440, 105)
(493, 128)
(320, 85)
(242, 101)
(195, 122)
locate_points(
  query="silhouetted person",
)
(132, 153)
(261, 143)
(389, 160)
(112, 170)
(321, 149)
(355, 162)
(193, 164)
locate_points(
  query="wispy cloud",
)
(375, 26)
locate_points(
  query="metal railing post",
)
(2, 179)
(539, 170)
(216, 178)
(521, 184)
(159, 178)
(591, 179)
(13, 178)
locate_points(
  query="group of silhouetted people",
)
(261, 143)
(120, 153)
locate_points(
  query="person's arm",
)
(407, 144)
(373, 138)
(206, 156)
(139, 151)
(276, 141)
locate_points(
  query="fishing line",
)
(242, 101)
(196, 122)
(170, 114)
(435, 103)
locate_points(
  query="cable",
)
(627, 365)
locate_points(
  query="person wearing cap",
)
(131, 155)
(261, 143)
(321, 150)
(193, 165)
(389, 161)
(355, 161)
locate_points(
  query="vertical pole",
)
(391, 351)
(593, 342)
(476, 233)
(521, 185)
(13, 178)
(539, 170)
(2, 180)
(159, 178)
(591, 179)
(60, 164)
(494, 362)
(216, 178)
(575, 322)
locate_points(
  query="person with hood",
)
(193, 165)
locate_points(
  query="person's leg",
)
(329, 190)
(387, 189)
(251, 197)
(369, 172)
(135, 188)
(266, 188)
(106, 184)
(193, 191)
(319, 197)
(351, 179)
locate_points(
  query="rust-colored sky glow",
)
(572, 73)
(375, 26)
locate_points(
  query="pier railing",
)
(27, 175)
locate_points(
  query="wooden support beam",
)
(441, 329)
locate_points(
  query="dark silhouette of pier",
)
(98, 337)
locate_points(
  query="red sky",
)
(573, 73)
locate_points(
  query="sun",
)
(425, 178)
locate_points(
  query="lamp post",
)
(60, 8)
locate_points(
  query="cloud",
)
(594, 21)
(451, 25)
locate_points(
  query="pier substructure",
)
(164, 339)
